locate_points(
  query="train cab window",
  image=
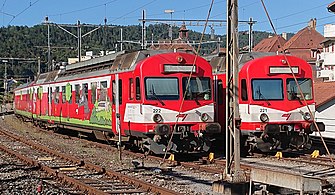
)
(138, 89)
(244, 91)
(198, 89)
(293, 91)
(131, 89)
(63, 94)
(267, 89)
(93, 92)
(77, 90)
(56, 99)
(161, 89)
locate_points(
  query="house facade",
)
(326, 61)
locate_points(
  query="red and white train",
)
(272, 110)
(138, 94)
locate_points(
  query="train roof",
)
(218, 62)
(116, 62)
(24, 85)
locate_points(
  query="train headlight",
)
(204, 117)
(264, 117)
(157, 118)
(307, 116)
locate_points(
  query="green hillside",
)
(31, 42)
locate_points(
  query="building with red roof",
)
(271, 44)
(305, 44)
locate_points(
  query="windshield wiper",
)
(294, 96)
(260, 95)
(155, 96)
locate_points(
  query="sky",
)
(287, 15)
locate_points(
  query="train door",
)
(39, 100)
(116, 104)
(49, 101)
(220, 95)
(34, 101)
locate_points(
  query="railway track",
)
(324, 169)
(85, 177)
(215, 167)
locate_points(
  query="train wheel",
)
(300, 141)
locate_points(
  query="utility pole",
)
(170, 11)
(39, 66)
(233, 119)
(5, 77)
(121, 37)
(143, 44)
(49, 49)
(79, 40)
(251, 36)
(234, 182)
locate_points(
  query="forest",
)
(24, 45)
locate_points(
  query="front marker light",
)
(307, 116)
(204, 117)
(264, 118)
(157, 118)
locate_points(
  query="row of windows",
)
(64, 93)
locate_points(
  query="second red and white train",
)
(274, 114)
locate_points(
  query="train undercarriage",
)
(282, 141)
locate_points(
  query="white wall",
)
(328, 57)
(327, 116)
(329, 30)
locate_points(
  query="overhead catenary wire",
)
(83, 9)
(295, 13)
(188, 80)
(30, 5)
(296, 81)
(3, 5)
